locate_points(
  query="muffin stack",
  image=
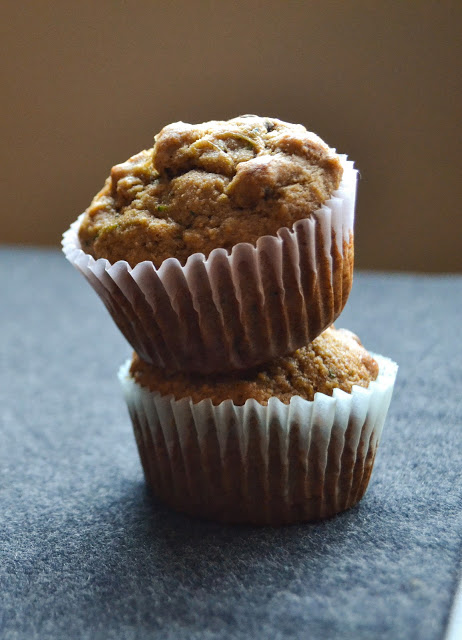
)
(224, 254)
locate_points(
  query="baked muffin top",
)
(209, 185)
(336, 359)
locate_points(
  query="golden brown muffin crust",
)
(209, 185)
(336, 359)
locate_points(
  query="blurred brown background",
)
(87, 84)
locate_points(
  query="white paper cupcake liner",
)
(273, 464)
(233, 311)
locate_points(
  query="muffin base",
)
(274, 464)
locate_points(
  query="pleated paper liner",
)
(274, 464)
(233, 311)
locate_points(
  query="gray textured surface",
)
(87, 553)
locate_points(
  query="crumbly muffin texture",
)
(336, 359)
(209, 185)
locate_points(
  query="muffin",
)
(289, 441)
(209, 186)
(225, 245)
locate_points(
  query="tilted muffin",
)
(229, 243)
(208, 186)
(293, 440)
